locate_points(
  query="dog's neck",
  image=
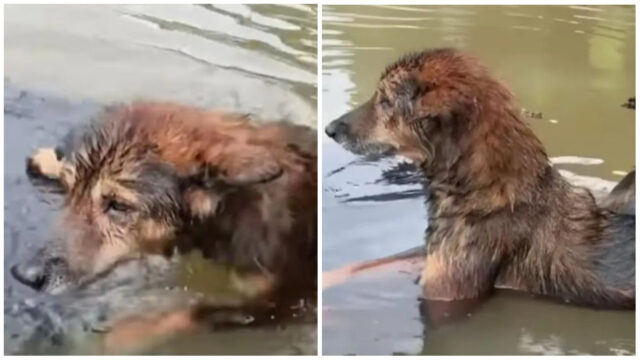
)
(496, 163)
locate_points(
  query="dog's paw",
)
(44, 162)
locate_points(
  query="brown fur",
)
(499, 214)
(148, 177)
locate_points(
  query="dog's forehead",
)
(394, 78)
(429, 65)
(101, 174)
(110, 158)
(404, 64)
(438, 66)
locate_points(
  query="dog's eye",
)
(112, 205)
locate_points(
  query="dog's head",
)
(121, 201)
(125, 199)
(423, 103)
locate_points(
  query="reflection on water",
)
(63, 62)
(571, 68)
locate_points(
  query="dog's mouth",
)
(358, 142)
(370, 150)
(137, 272)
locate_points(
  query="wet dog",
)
(150, 178)
(500, 216)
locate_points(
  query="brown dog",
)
(499, 214)
(147, 178)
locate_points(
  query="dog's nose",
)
(336, 127)
(42, 272)
(30, 274)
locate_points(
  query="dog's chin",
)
(369, 150)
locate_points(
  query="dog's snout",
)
(48, 274)
(30, 274)
(336, 128)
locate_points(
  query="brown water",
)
(574, 64)
(63, 62)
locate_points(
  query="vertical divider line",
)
(319, 170)
(637, 152)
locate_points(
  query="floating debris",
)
(531, 114)
(630, 104)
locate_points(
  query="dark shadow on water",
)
(404, 173)
(408, 194)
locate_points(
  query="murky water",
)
(575, 65)
(62, 63)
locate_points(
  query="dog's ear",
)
(225, 170)
(201, 202)
(246, 164)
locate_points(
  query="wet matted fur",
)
(147, 178)
(500, 216)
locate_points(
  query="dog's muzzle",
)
(43, 273)
(336, 129)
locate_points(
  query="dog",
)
(500, 216)
(155, 178)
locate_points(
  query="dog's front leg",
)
(136, 334)
(449, 277)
